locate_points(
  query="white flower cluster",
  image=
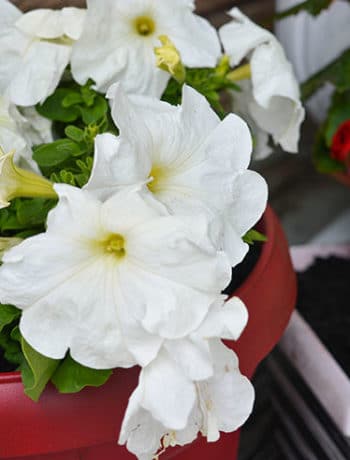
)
(131, 268)
(114, 40)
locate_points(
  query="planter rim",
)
(267, 223)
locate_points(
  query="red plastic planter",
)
(85, 426)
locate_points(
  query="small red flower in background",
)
(340, 148)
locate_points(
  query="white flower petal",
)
(140, 431)
(78, 208)
(111, 49)
(9, 13)
(275, 106)
(116, 165)
(232, 394)
(35, 82)
(192, 356)
(226, 320)
(189, 159)
(249, 201)
(241, 36)
(171, 310)
(232, 243)
(31, 65)
(50, 24)
(130, 208)
(13, 44)
(166, 393)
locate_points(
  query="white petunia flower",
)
(193, 162)
(272, 96)
(113, 279)
(35, 50)
(119, 38)
(20, 131)
(168, 409)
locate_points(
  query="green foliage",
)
(253, 236)
(37, 371)
(71, 377)
(209, 82)
(313, 7)
(8, 314)
(25, 217)
(79, 115)
(337, 114)
(9, 317)
(74, 103)
(324, 163)
(49, 156)
(337, 73)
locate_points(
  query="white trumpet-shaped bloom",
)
(119, 38)
(192, 162)
(272, 96)
(113, 279)
(168, 408)
(35, 50)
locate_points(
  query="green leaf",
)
(12, 225)
(313, 7)
(74, 133)
(37, 370)
(337, 73)
(71, 377)
(72, 98)
(253, 236)
(53, 107)
(88, 95)
(323, 161)
(10, 344)
(8, 314)
(55, 153)
(210, 82)
(33, 212)
(95, 112)
(338, 113)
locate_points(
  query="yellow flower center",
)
(115, 245)
(157, 175)
(145, 26)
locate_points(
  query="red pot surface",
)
(85, 426)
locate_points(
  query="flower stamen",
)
(115, 245)
(145, 26)
(157, 175)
